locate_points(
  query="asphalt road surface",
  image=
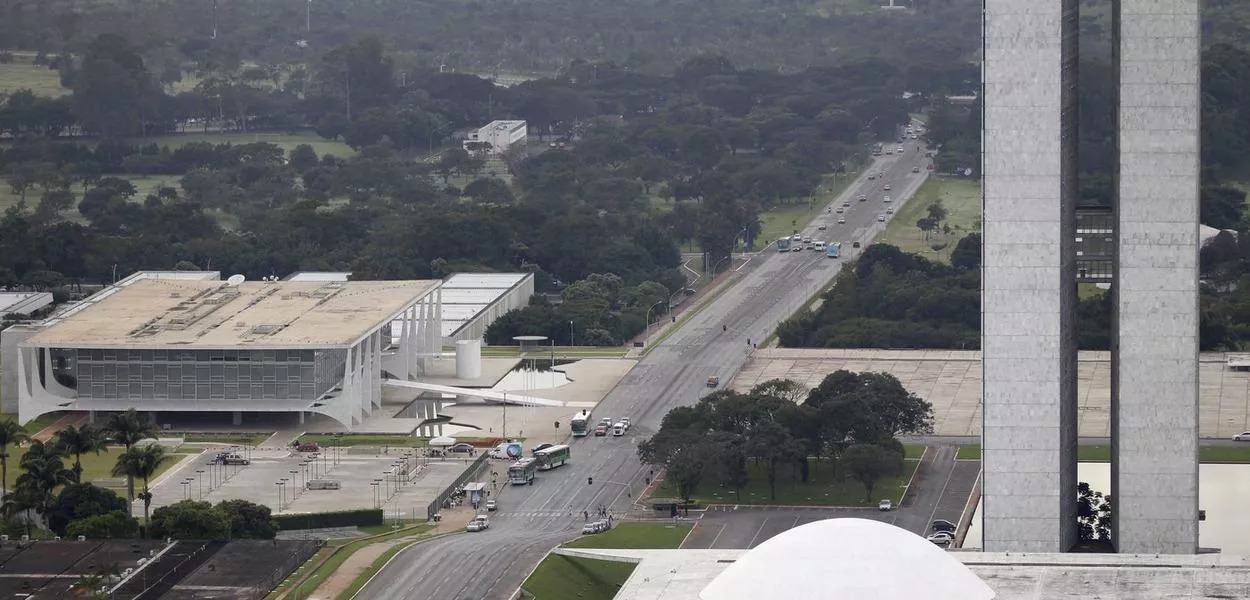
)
(533, 519)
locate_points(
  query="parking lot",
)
(401, 480)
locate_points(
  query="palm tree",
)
(10, 433)
(78, 441)
(44, 472)
(127, 429)
(141, 462)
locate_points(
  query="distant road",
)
(533, 519)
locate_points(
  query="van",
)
(820, 246)
(618, 430)
(324, 484)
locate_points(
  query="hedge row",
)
(341, 518)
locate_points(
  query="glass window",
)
(160, 355)
(160, 389)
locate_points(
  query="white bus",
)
(580, 424)
(522, 471)
(552, 457)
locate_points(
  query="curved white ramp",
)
(509, 397)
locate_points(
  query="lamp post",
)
(295, 484)
(186, 489)
(570, 334)
(199, 476)
(278, 485)
(376, 503)
(646, 337)
(716, 265)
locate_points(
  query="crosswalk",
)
(536, 513)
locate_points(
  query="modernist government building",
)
(1035, 251)
(190, 342)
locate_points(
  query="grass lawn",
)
(563, 577)
(36, 425)
(962, 199)
(822, 488)
(95, 467)
(1085, 291)
(783, 220)
(234, 439)
(636, 535)
(286, 140)
(25, 75)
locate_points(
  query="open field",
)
(286, 141)
(823, 488)
(962, 200)
(22, 74)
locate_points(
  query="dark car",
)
(855, 245)
(540, 447)
(943, 525)
(601, 430)
(461, 448)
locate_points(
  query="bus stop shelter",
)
(476, 491)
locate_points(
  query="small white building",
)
(501, 135)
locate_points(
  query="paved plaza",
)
(358, 469)
(951, 381)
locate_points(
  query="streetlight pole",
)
(570, 335)
(646, 332)
(308, 17)
(199, 477)
(505, 416)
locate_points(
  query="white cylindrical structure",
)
(468, 359)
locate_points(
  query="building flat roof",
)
(156, 313)
(683, 574)
(23, 303)
(466, 295)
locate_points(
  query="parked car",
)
(943, 525)
(479, 523)
(308, 447)
(461, 448)
(231, 458)
(1242, 437)
(886, 504)
(713, 381)
(941, 538)
(491, 505)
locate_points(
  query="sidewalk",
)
(691, 305)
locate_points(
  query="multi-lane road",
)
(533, 519)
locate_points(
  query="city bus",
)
(550, 458)
(580, 424)
(783, 245)
(833, 249)
(522, 472)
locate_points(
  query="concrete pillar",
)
(236, 418)
(1154, 412)
(301, 417)
(1028, 275)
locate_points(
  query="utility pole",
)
(308, 17)
(214, 19)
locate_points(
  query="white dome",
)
(847, 559)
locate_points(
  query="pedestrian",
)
(748, 341)
(585, 515)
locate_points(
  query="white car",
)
(886, 187)
(626, 422)
(491, 505)
(941, 538)
(841, 221)
(824, 227)
(900, 149)
(880, 218)
(1242, 437)
(885, 199)
(885, 505)
(847, 203)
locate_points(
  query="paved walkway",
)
(951, 381)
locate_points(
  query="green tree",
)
(111, 525)
(190, 520)
(43, 472)
(868, 463)
(79, 501)
(76, 441)
(141, 462)
(127, 429)
(967, 252)
(11, 434)
(248, 520)
(1093, 515)
(113, 92)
